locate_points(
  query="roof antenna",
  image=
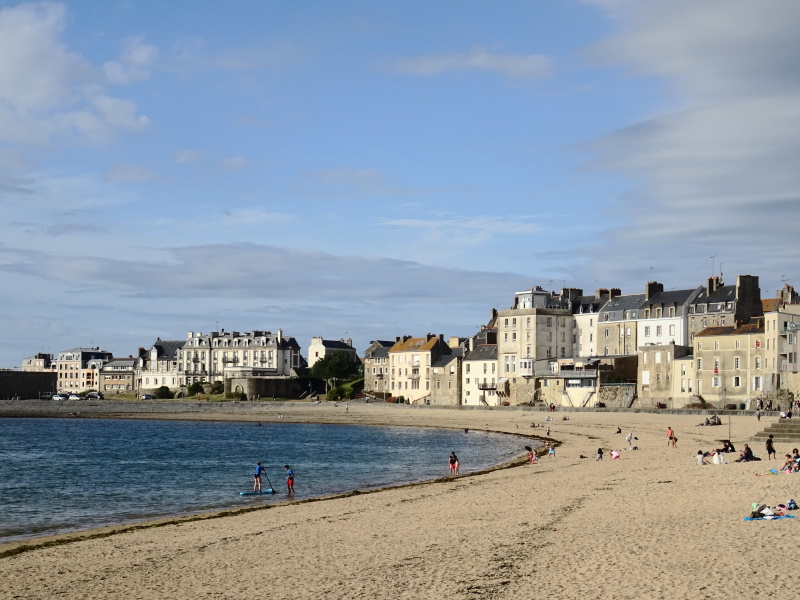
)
(712, 264)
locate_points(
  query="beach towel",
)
(769, 518)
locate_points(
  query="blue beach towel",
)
(769, 518)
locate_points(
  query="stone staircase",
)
(785, 430)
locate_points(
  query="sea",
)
(66, 475)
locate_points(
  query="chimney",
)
(600, 293)
(614, 292)
(471, 344)
(713, 285)
(652, 288)
(350, 342)
(280, 335)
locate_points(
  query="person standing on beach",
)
(453, 464)
(289, 479)
(629, 438)
(758, 414)
(257, 476)
(770, 448)
(670, 435)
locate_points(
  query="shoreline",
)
(12, 547)
(652, 524)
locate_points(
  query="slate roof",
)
(590, 304)
(168, 349)
(483, 352)
(628, 302)
(446, 359)
(725, 293)
(670, 298)
(336, 345)
(771, 304)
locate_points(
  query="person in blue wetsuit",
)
(257, 477)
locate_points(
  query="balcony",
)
(414, 376)
(378, 375)
(485, 385)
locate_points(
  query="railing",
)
(414, 376)
(485, 385)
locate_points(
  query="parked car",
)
(95, 395)
(148, 397)
(45, 395)
(59, 397)
(74, 397)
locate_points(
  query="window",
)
(699, 364)
(647, 331)
(514, 322)
(672, 329)
(758, 362)
(505, 323)
(716, 345)
(549, 321)
(736, 362)
(715, 382)
(737, 381)
(658, 313)
(658, 330)
(671, 311)
(699, 345)
(756, 384)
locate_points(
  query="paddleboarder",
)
(257, 477)
(289, 479)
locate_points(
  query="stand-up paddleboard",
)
(269, 491)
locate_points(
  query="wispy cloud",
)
(130, 174)
(134, 63)
(186, 156)
(234, 163)
(513, 66)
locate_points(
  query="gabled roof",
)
(422, 344)
(446, 359)
(770, 304)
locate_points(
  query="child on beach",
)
(289, 480)
(551, 452)
(453, 464)
(615, 455)
(599, 455)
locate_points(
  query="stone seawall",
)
(191, 409)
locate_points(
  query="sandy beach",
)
(651, 525)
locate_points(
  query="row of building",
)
(716, 343)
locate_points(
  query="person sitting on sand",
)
(615, 455)
(788, 464)
(746, 455)
(701, 458)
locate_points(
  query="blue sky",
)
(367, 170)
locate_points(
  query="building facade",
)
(78, 369)
(376, 368)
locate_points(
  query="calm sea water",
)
(60, 475)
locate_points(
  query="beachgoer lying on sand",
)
(615, 455)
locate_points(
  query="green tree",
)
(217, 387)
(195, 389)
(336, 366)
(164, 393)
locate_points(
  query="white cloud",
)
(513, 66)
(49, 91)
(187, 155)
(133, 65)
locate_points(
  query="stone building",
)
(410, 363)
(78, 369)
(479, 370)
(376, 368)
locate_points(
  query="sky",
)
(366, 170)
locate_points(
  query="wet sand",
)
(650, 525)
